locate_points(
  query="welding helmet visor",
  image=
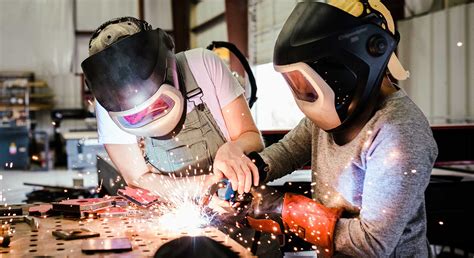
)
(135, 79)
(333, 62)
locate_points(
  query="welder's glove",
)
(274, 212)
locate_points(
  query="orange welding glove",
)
(295, 213)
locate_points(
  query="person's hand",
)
(232, 163)
(276, 212)
(264, 204)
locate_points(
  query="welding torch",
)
(231, 195)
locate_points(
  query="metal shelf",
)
(32, 107)
(35, 84)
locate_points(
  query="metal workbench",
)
(145, 236)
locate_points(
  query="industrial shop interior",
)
(236, 128)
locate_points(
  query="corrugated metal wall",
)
(438, 50)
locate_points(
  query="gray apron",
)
(192, 151)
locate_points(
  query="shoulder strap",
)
(190, 84)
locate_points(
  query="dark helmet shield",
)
(342, 80)
(128, 72)
(338, 47)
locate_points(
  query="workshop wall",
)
(36, 35)
(159, 14)
(51, 37)
(39, 36)
(438, 50)
(275, 108)
(208, 23)
(89, 14)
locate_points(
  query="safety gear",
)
(113, 30)
(357, 9)
(278, 213)
(334, 62)
(190, 151)
(135, 78)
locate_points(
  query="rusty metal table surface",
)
(143, 233)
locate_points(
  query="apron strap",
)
(191, 86)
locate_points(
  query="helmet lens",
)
(301, 87)
(339, 77)
(159, 108)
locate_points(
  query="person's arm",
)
(129, 160)
(399, 165)
(242, 129)
(230, 158)
(290, 153)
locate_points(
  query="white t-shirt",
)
(213, 77)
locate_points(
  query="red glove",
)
(275, 213)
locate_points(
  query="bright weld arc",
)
(182, 213)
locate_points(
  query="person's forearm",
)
(290, 153)
(128, 160)
(249, 142)
(131, 165)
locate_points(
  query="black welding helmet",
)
(135, 77)
(334, 61)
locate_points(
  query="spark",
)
(188, 217)
(178, 210)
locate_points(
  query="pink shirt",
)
(213, 77)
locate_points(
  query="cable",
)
(232, 48)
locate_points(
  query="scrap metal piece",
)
(31, 221)
(138, 196)
(12, 210)
(121, 244)
(77, 207)
(41, 210)
(76, 233)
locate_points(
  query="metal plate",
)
(144, 234)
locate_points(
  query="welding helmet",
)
(334, 61)
(132, 73)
